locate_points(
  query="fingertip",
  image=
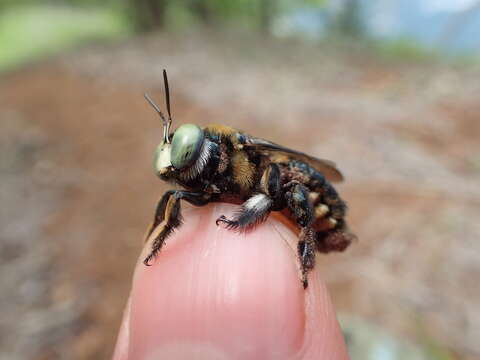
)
(229, 296)
(121, 347)
(323, 336)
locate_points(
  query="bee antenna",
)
(167, 94)
(166, 124)
(155, 106)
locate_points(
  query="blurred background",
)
(388, 89)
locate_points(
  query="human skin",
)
(216, 294)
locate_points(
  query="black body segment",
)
(271, 184)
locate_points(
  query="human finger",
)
(213, 293)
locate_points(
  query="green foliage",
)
(258, 14)
(404, 49)
(33, 31)
(4, 4)
(318, 3)
(221, 12)
(147, 15)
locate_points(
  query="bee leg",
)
(253, 211)
(168, 217)
(302, 210)
(256, 209)
(197, 199)
(159, 214)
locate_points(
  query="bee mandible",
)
(218, 163)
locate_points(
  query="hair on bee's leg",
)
(171, 219)
(253, 211)
(159, 214)
(302, 210)
(168, 217)
(197, 199)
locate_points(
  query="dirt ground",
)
(78, 189)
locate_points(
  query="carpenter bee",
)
(220, 164)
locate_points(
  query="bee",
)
(218, 163)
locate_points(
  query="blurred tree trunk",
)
(266, 14)
(150, 14)
(349, 21)
(158, 9)
(203, 11)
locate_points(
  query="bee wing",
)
(326, 167)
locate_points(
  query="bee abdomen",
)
(315, 178)
(337, 239)
(328, 203)
(321, 191)
(323, 219)
(338, 207)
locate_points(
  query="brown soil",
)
(80, 190)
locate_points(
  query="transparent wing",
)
(326, 167)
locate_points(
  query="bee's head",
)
(179, 150)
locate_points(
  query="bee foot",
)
(148, 259)
(223, 219)
(305, 281)
(229, 223)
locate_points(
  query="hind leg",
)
(302, 210)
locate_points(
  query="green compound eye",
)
(186, 144)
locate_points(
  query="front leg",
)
(168, 217)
